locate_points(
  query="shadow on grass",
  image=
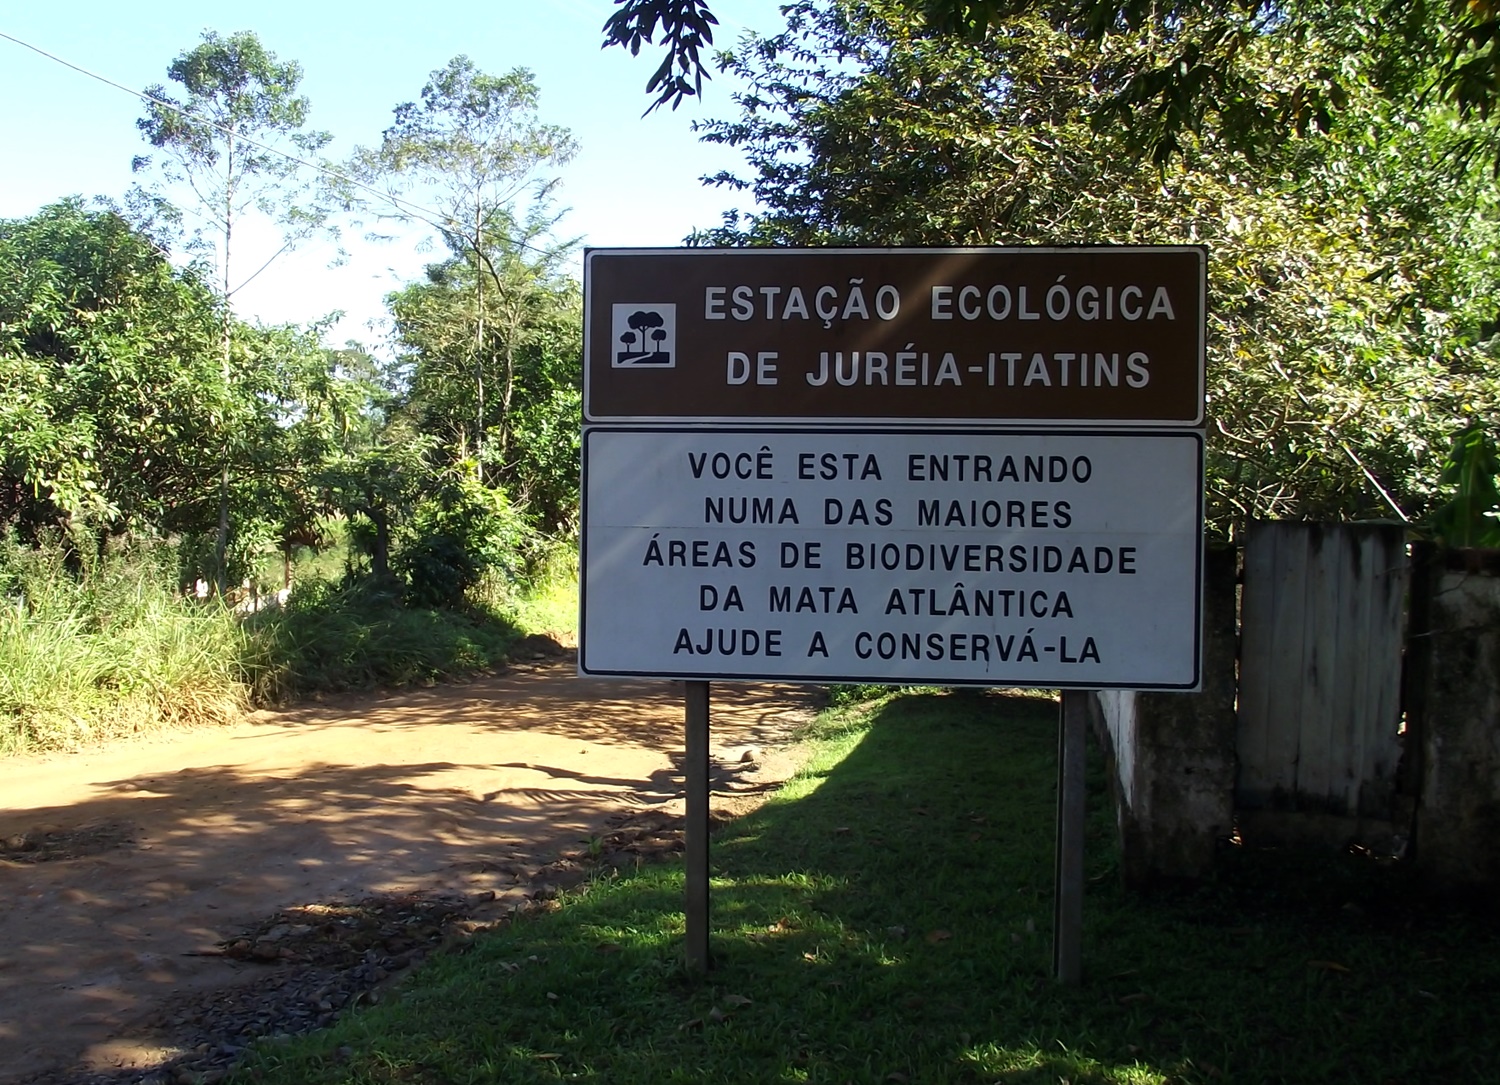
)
(888, 920)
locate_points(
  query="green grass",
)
(109, 652)
(887, 919)
(547, 604)
(331, 638)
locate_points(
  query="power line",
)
(432, 218)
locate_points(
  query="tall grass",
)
(107, 651)
(547, 602)
(115, 648)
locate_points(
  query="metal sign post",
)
(696, 832)
(1067, 904)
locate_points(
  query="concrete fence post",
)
(1173, 753)
(1454, 722)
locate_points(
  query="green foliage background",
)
(1337, 163)
(155, 449)
(1352, 271)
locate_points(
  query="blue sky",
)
(634, 182)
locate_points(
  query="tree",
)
(1196, 70)
(459, 531)
(1471, 515)
(472, 148)
(531, 353)
(116, 417)
(1346, 327)
(301, 408)
(228, 139)
(686, 26)
(377, 486)
(109, 389)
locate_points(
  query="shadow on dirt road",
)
(126, 870)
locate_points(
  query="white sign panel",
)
(1039, 559)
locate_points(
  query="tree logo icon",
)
(647, 336)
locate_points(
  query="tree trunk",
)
(380, 557)
(508, 394)
(221, 536)
(479, 343)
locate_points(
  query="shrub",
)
(463, 531)
(110, 648)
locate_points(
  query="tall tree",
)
(300, 408)
(115, 414)
(1347, 334)
(229, 139)
(530, 355)
(471, 150)
(1198, 70)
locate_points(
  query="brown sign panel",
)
(1047, 335)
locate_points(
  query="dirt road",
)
(125, 871)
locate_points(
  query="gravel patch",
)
(51, 845)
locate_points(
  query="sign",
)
(1046, 336)
(1039, 558)
(954, 466)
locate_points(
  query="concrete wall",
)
(1172, 754)
(1458, 813)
